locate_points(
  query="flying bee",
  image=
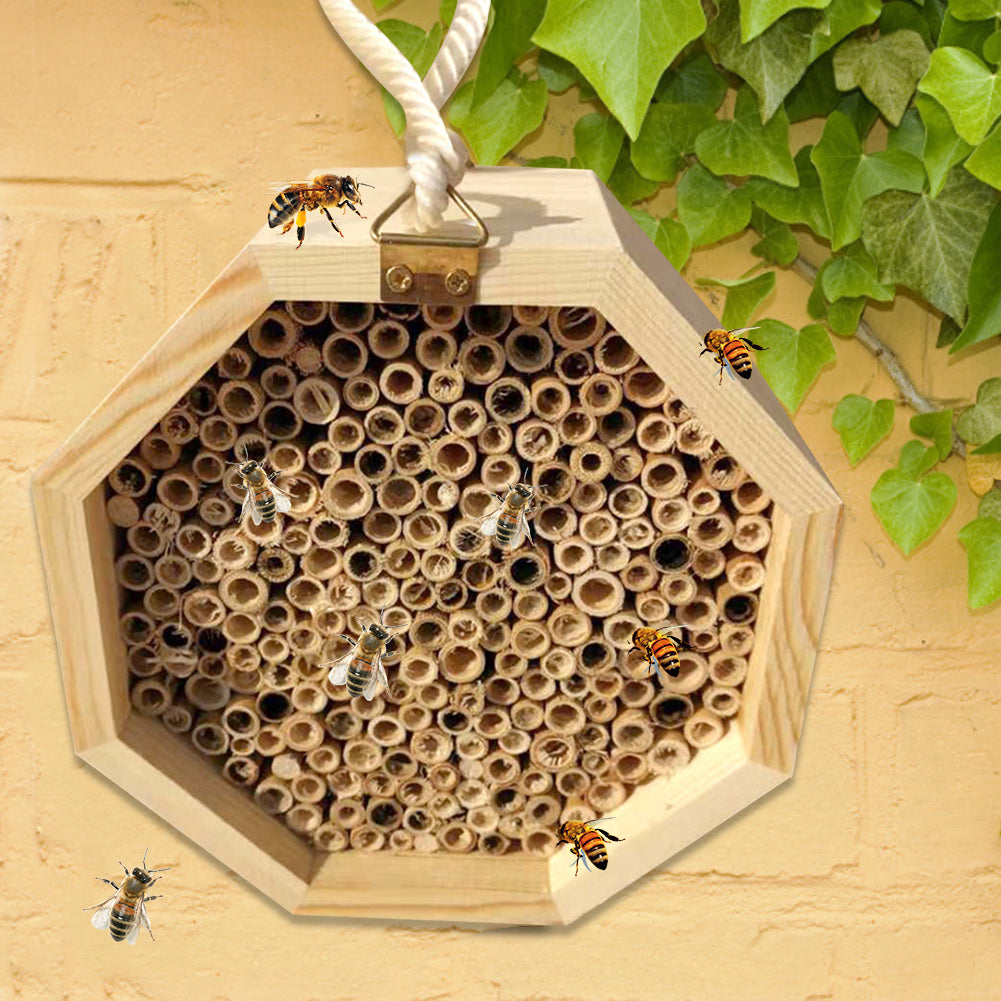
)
(509, 524)
(587, 842)
(125, 912)
(323, 192)
(263, 498)
(729, 346)
(362, 668)
(659, 648)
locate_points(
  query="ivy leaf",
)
(509, 38)
(446, 11)
(645, 35)
(975, 10)
(419, 49)
(597, 142)
(667, 137)
(695, 81)
(862, 424)
(943, 149)
(992, 48)
(912, 506)
(816, 304)
(969, 35)
(794, 360)
(743, 297)
(802, 204)
(909, 135)
(709, 209)
(843, 315)
(849, 177)
(966, 88)
(382, 4)
(937, 426)
(928, 244)
(853, 274)
(990, 504)
(815, 96)
(992, 447)
(886, 70)
(493, 129)
(985, 161)
(626, 184)
(982, 421)
(898, 15)
(982, 540)
(548, 161)
(984, 289)
(948, 331)
(860, 111)
(778, 243)
(559, 74)
(668, 235)
(744, 146)
(757, 15)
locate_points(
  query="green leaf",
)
(862, 424)
(794, 360)
(898, 15)
(982, 421)
(778, 243)
(668, 235)
(621, 46)
(559, 74)
(885, 70)
(985, 161)
(744, 146)
(446, 11)
(774, 61)
(928, 244)
(509, 38)
(667, 137)
(992, 447)
(849, 177)
(934, 12)
(984, 289)
(843, 315)
(626, 184)
(911, 506)
(709, 209)
(694, 81)
(974, 10)
(816, 304)
(992, 48)
(982, 540)
(803, 204)
(966, 88)
(815, 96)
(859, 111)
(597, 142)
(743, 298)
(853, 274)
(419, 48)
(909, 135)
(938, 426)
(382, 4)
(548, 161)
(943, 148)
(969, 35)
(508, 115)
(757, 15)
(990, 504)
(948, 331)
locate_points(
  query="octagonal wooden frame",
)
(558, 237)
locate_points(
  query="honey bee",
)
(362, 668)
(729, 346)
(263, 498)
(587, 842)
(660, 649)
(323, 192)
(509, 524)
(125, 912)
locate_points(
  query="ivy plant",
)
(900, 188)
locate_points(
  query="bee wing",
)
(519, 537)
(741, 330)
(526, 528)
(144, 919)
(489, 527)
(378, 674)
(283, 502)
(102, 916)
(133, 933)
(246, 506)
(254, 513)
(339, 670)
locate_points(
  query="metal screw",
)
(457, 282)
(400, 278)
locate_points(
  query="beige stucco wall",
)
(137, 140)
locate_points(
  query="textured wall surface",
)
(137, 140)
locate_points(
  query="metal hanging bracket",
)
(429, 268)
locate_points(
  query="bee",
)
(362, 668)
(263, 498)
(326, 190)
(125, 912)
(587, 842)
(509, 524)
(729, 346)
(660, 649)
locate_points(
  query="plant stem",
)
(868, 338)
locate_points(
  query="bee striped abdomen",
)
(359, 672)
(594, 848)
(264, 502)
(123, 916)
(507, 526)
(738, 357)
(283, 208)
(666, 655)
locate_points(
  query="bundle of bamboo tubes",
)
(516, 700)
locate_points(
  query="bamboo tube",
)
(613, 354)
(642, 386)
(617, 428)
(570, 783)
(605, 795)
(551, 751)
(431, 746)
(157, 452)
(363, 561)
(496, 636)
(178, 489)
(240, 400)
(351, 316)
(597, 592)
(627, 463)
(269, 742)
(736, 606)
(629, 767)
(134, 572)
(573, 555)
(574, 687)
(122, 511)
(528, 349)
(459, 663)
(162, 602)
(639, 575)
(240, 719)
(384, 815)
(173, 571)
(573, 367)
(498, 472)
(675, 410)
(347, 812)
(278, 383)
(279, 421)
(553, 481)
(693, 439)
(471, 793)
(668, 754)
(655, 433)
(400, 765)
(530, 639)
(631, 731)
(576, 326)
(736, 640)
(308, 314)
(569, 625)
(424, 418)
(452, 457)
(752, 533)
(273, 334)
(401, 382)
(511, 826)
(388, 339)
(671, 515)
(456, 837)
(722, 472)
(209, 737)
(502, 769)
(136, 626)
(590, 462)
(712, 531)
(600, 394)
(233, 550)
(399, 495)
(446, 385)
(216, 509)
(481, 360)
(556, 522)
(144, 661)
(305, 818)
(429, 630)
(678, 589)
(194, 540)
(549, 398)
(243, 591)
(345, 354)
(329, 838)
(703, 729)
(727, 669)
(476, 501)
(589, 499)
(530, 316)
(594, 738)
(177, 718)
(146, 540)
(415, 717)
(722, 700)
(435, 349)
(627, 501)
(527, 570)
(361, 754)
(671, 554)
(535, 782)
(745, 572)
(152, 696)
(637, 533)
(664, 476)
(437, 565)
(564, 716)
(236, 363)
(595, 762)
(577, 427)
(749, 498)
(482, 820)
(295, 538)
(273, 796)
(218, 433)
(201, 398)
(670, 709)
(347, 495)
(700, 612)
(487, 321)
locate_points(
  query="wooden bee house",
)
(192, 651)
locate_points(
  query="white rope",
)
(436, 156)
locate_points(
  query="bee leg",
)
(300, 226)
(101, 879)
(288, 225)
(703, 351)
(157, 896)
(330, 218)
(721, 368)
(355, 210)
(348, 639)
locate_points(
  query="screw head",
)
(400, 278)
(457, 282)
